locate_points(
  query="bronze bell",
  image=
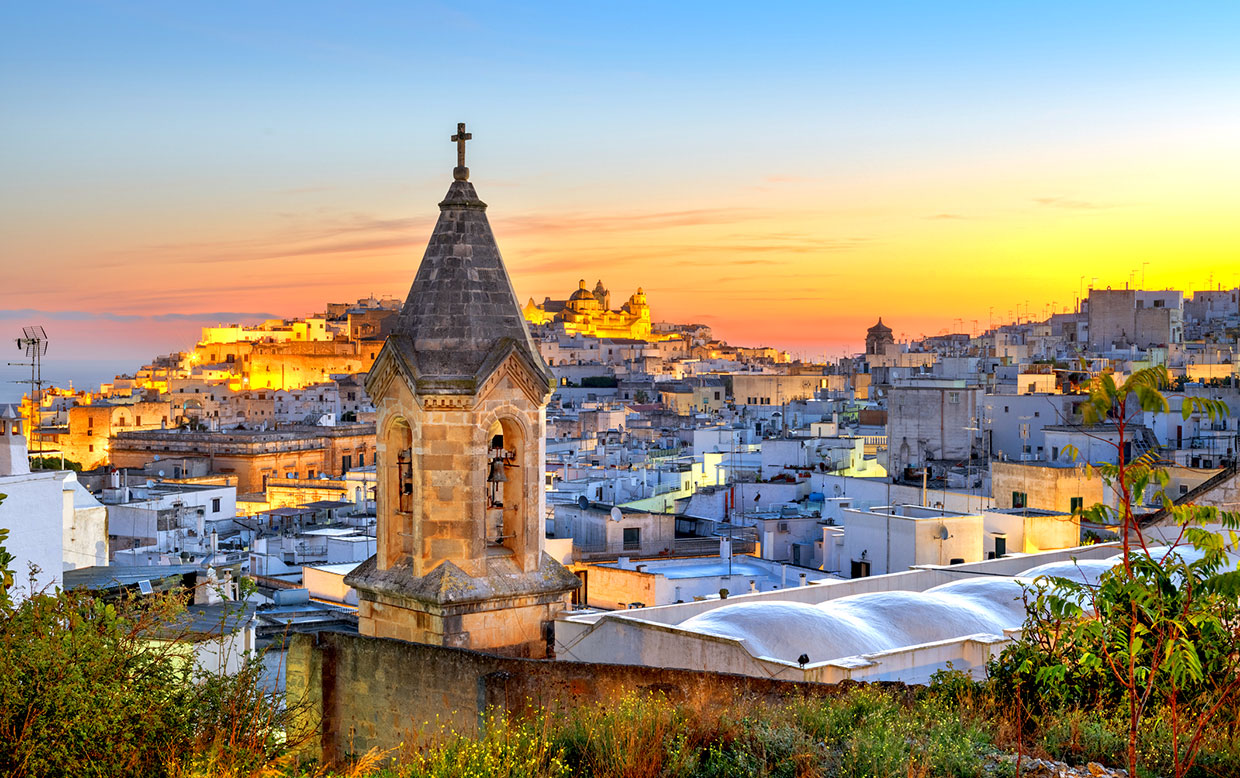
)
(497, 474)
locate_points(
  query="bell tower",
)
(461, 393)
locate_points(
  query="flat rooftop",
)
(916, 512)
(715, 566)
(342, 569)
(251, 435)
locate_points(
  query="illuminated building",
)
(589, 313)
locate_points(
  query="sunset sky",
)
(783, 172)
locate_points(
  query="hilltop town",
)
(256, 449)
(434, 491)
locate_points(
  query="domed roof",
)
(582, 293)
(880, 327)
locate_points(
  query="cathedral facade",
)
(588, 312)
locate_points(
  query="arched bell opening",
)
(399, 493)
(506, 478)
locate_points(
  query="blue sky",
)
(195, 158)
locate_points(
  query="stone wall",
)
(355, 693)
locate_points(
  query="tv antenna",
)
(34, 343)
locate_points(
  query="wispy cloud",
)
(28, 313)
(946, 216)
(717, 254)
(632, 222)
(339, 234)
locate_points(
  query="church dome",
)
(880, 327)
(582, 293)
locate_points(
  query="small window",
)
(953, 397)
(1077, 504)
(1019, 499)
(1183, 489)
(632, 538)
(1037, 414)
(215, 504)
(90, 448)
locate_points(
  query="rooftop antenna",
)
(34, 343)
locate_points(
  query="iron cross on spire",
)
(461, 173)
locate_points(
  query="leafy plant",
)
(94, 686)
(1159, 632)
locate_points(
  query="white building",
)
(32, 512)
(894, 538)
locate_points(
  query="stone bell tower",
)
(461, 394)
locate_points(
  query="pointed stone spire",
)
(461, 308)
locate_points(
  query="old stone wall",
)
(355, 693)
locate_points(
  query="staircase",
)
(1204, 488)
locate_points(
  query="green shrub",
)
(86, 691)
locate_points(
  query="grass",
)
(952, 729)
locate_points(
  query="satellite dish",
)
(616, 515)
(582, 502)
(161, 473)
(943, 534)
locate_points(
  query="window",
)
(90, 422)
(1037, 414)
(138, 420)
(90, 448)
(1019, 499)
(953, 397)
(346, 463)
(1077, 504)
(215, 504)
(1183, 489)
(632, 538)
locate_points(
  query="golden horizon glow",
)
(948, 170)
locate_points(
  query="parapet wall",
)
(358, 693)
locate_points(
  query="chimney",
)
(14, 458)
